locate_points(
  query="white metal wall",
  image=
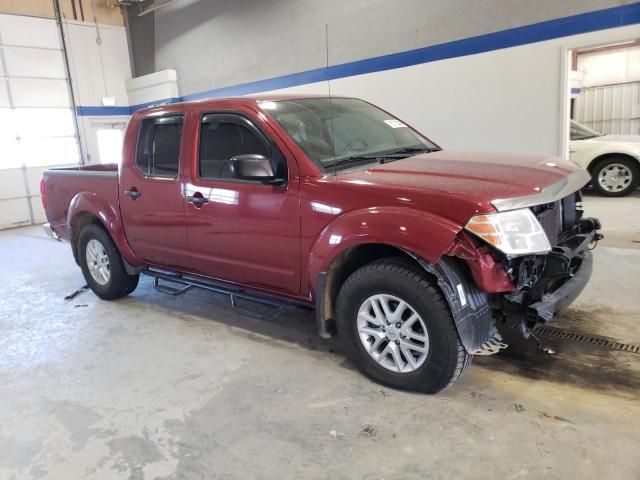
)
(99, 62)
(611, 109)
(36, 116)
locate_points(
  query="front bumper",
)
(550, 283)
(545, 309)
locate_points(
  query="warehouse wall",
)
(218, 43)
(507, 98)
(99, 62)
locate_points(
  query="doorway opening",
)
(604, 115)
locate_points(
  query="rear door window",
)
(158, 152)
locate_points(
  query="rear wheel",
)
(102, 265)
(398, 329)
(616, 176)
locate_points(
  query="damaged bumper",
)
(552, 282)
(545, 309)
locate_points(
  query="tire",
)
(113, 281)
(445, 358)
(616, 176)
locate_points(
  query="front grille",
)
(550, 218)
(559, 216)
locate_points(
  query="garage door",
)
(37, 124)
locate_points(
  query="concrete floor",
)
(158, 387)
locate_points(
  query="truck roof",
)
(244, 100)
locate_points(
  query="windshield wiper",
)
(382, 157)
(412, 150)
(353, 159)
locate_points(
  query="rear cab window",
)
(158, 149)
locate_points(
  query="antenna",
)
(326, 39)
(326, 35)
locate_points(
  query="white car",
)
(612, 160)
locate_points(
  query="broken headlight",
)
(516, 232)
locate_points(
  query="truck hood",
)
(491, 181)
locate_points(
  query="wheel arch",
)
(88, 208)
(605, 156)
(77, 224)
(362, 236)
(343, 265)
(468, 305)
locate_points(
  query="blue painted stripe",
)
(155, 102)
(538, 32)
(102, 111)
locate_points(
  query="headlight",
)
(515, 232)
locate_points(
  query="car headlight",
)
(515, 232)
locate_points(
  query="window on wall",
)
(158, 152)
(223, 136)
(109, 145)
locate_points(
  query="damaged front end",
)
(529, 289)
(546, 284)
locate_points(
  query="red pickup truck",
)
(411, 253)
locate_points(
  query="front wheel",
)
(398, 328)
(616, 176)
(102, 265)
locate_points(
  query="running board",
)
(188, 283)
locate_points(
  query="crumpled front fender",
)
(419, 232)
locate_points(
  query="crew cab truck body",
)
(408, 252)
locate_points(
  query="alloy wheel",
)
(98, 262)
(393, 333)
(615, 177)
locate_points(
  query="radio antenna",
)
(326, 36)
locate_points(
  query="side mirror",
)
(253, 167)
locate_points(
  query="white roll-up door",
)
(37, 123)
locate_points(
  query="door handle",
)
(133, 193)
(197, 199)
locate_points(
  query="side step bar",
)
(187, 283)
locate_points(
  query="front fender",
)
(92, 204)
(422, 233)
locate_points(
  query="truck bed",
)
(61, 185)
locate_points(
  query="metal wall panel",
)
(29, 31)
(39, 92)
(15, 212)
(34, 62)
(611, 109)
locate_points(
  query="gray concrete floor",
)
(158, 387)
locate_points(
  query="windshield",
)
(341, 131)
(581, 132)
